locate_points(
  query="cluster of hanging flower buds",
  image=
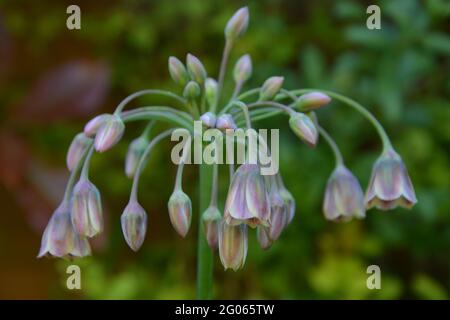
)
(254, 201)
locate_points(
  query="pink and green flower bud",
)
(225, 121)
(77, 149)
(134, 155)
(180, 212)
(91, 128)
(86, 215)
(262, 234)
(304, 128)
(344, 197)
(60, 239)
(209, 119)
(390, 185)
(233, 244)
(192, 90)
(270, 88)
(196, 70)
(211, 219)
(278, 215)
(311, 101)
(242, 69)
(178, 71)
(237, 25)
(211, 90)
(289, 202)
(134, 224)
(247, 200)
(109, 133)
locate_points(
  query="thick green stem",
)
(204, 254)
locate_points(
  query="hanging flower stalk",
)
(254, 202)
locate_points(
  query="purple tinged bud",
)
(390, 185)
(77, 149)
(211, 219)
(289, 202)
(134, 154)
(262, 234)
(237, 25)
(211, 89)
(91, 128)
(243, 69)
(86, 215)
(196, 70)
(311, 101)
(344, 197)
(278, 214)
(60, 239)
(225, 121)
(233, 244)
(208, 119)
(180, 212)
(192, 90)
(304, 128)
(247, 200)
(134, 224)
(109, 133)
(270, 88)
(178, 71)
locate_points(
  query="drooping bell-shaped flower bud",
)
(211, 219)
(262, 234)
(233, 244)
(270, 88)
(247, 200)
(91, 128)
(109, 133)
(289, 202)
(134, 155)
(196, 70)
(304, 128)
(192, 90)
(237, 25)
(278, 214)
(390, 185)
(178, 71)
(311, 101)
(180, 212)
(60, 239)
(208, 119)
(86, 215)
(134, 224)
(225, 121)
(211, 89)
(344, 197)
(243, 69)
(77, 149)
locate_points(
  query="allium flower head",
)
(77, 149)
(304, 128)
(344, 197)
(225, 121)
(233, 244)
(390, 185)
(180, 212)
(86, 214)
(211, 219)
(134, 224)
(109, 133)
(311, 101)
(60, 239)
(208, 119)
(247, 200)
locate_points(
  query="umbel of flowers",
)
(254, 202)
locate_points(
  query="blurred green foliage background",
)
(52, 80)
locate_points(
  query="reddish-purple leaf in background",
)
(75, 89)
